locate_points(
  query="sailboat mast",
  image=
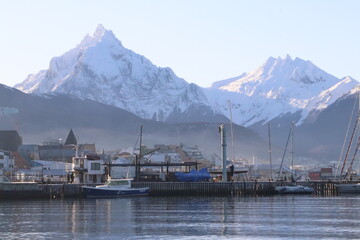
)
(138, 157)
(232, 135)
(292, 150)
(283, 156)
(141, 130)
(271, 171)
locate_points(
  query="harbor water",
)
(270, 217)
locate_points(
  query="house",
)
(89, 169)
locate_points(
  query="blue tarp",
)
(193, 176)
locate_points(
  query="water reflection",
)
(294, 217)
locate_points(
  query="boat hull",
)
(294, 190)
(92, 192)
(348, 188)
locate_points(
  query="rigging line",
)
(352, 161)
(346, 136)
(282, 160)
(350, 143)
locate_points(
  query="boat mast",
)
(349, 146)
(346, 137)
(232, 135)
(357, 147)
(271, 176)
(292, 150)
(283, 157)
(138, 157)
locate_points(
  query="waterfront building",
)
(89, 169)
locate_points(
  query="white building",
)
(6, 162)
(89, 169)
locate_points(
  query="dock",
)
(241, 188)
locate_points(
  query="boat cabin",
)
(119, 183)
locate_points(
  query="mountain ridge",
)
(278, 87)
(101, 69)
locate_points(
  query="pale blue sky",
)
(201, 40)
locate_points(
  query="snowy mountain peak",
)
(278, 87)
(100, 30)
(101, 69)
(100, 35)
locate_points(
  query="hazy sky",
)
(201, 40)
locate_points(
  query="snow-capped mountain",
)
(278, 87)
(101, 69)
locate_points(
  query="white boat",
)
(115, 188)
(297, 189)
(348, 187)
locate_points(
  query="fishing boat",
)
(291, 188)
(114, 188)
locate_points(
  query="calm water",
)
(276, 217)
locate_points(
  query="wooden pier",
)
(241, 188)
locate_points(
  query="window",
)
(1, 165)
(95, 166)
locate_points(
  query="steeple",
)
(71, 139)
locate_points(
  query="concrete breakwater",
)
(245, 188)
